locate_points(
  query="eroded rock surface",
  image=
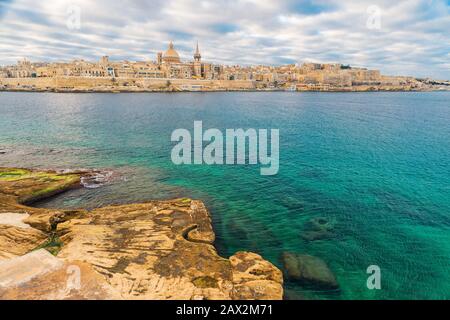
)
(154, 250)
(15, 241)
(40, 275)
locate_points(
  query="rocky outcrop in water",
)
(154, 250)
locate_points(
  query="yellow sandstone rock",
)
(154, 250)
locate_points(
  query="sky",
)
(406, 37)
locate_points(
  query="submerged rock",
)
(290, 294)
(308, 270)
(153, 250)
(318, 228)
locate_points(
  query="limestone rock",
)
(16, 241)
(154, 250)
(14, 219)
(40, 276)
(28, 185)
(255, 278)
(308, 270)
(163, 250)
(17, 271)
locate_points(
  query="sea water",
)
(376, 166)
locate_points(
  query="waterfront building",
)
(169, 65)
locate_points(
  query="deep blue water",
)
(376, 165)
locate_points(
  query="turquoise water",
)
(375, 164)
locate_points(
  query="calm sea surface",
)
(375, 165)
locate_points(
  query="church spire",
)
(197, 55)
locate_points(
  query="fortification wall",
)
(30, 82)
(84, 83)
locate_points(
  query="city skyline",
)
(407, 38)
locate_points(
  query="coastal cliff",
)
(154, 250)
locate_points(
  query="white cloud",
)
(413, 39)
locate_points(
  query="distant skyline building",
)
(168, 65)
(171, 55)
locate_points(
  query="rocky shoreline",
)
(154, 250)
(141, 90)
(139, 85)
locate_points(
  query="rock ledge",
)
(154, 250)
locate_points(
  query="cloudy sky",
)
(410, 37)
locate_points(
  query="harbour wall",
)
(132, 84)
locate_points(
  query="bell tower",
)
(197, 63)
(197, 55)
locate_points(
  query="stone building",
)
(23, 69)
(170, 63)
(4, 73)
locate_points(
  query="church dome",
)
(171, 55)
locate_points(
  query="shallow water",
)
(377, 165)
